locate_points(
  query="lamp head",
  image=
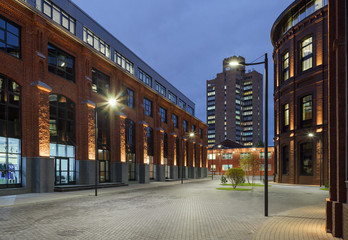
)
(310, 135)
(191, 134)
(234, 63)
(112, 102)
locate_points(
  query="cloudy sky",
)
(186, 40)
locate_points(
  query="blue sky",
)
(186, 40)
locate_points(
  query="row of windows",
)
(306, 58)
(306, 113)
(57, 14)
(62, 63)
(96, 42)
(69, 23)
(310, 7)
(160, 88)
(246, 155)
(124, 62)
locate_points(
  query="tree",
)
(250, 165)
(236, 176)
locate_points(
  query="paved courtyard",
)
(194, 210)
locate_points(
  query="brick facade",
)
(301, 83)
(30, 71)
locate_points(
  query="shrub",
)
(236, 176)
(223, 179)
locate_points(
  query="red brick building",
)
(300, 56)
(54, 73)
(224, 156)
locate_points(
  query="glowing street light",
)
(265, 62)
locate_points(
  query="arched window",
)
(165, 155)
(150, 146)
(130, 148)
(62, 138)
(10, 132)
(103, 145)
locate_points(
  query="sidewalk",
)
(169, 210)
(304, 223)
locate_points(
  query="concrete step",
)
(67, 188)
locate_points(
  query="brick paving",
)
(194, 210)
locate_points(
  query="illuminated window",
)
(286, 117)
(10, 132)
(96, 42)
(285, 66)
(61, 63)
(124, 62)
(145, 78)
(306, 54)
(100, 82)
(160, 89)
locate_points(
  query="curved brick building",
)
(58, 66)
(300, 56)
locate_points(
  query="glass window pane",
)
(61, 150)
(13, 29)
(14, 145)
(53, 150)
(56, 15)
(2, 35)
(12, 40)
(2, 23)
(65, 22)
(3, 145)
(71, 164)
(71, 151)
(47, 9)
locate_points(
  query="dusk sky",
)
(186, 41)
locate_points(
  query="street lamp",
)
(311, 135)
(111, 102)
(219, 146)
(265, 62)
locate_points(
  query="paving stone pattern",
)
(194, 210)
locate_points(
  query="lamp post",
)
(220, 167)
(265, 62)
(311, 135)
(111, 102)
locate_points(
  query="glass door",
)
(62, 170)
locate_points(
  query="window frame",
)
(6, 33)
(285, 70)
(100, 78)
(163, 113)
(285, 128)
(307, 122)
(58, 54)
(147, 107)
(303, 59)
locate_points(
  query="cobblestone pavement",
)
(194, 210)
